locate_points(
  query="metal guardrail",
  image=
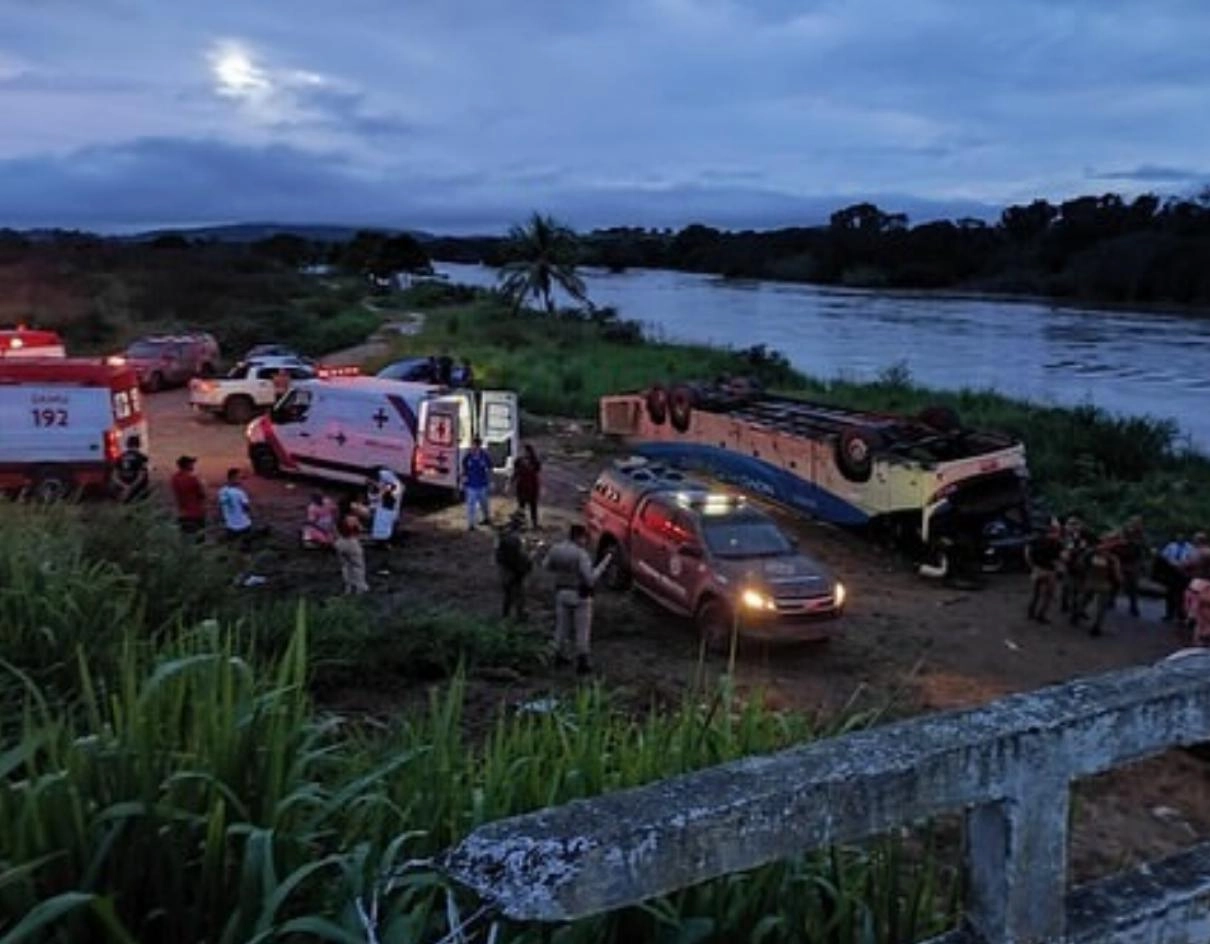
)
(1009, 765)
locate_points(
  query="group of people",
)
(341, 525)
(234, 505)
(1089, 571)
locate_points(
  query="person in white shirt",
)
(387, 496)
(235, 508)
(1172, 569)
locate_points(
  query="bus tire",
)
(657, 404)
(855, 454)
(238, 408)
(680, 407)
(264, 461)
(944, 419)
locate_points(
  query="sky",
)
(467, 115)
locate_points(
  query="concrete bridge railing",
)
(1008, 765)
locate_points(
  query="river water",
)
(1126, 362)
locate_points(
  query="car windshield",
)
(745, 537)
(238, 372)
(145, 349)
(403, 369)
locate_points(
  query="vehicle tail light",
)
(113, 447)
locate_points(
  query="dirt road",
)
(925, 646)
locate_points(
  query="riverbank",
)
(1083, 459)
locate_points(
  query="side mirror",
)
(690, 550)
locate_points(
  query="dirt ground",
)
(903, 640)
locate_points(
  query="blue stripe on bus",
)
(758, 477)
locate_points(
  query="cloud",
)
(150, 181)
(1151, 172)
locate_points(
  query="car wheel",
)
(657, 404)
(238, 409)
(715, 624)
(51, 485)
(264, 462)
(155, 382)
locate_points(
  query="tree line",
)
(1102, 249)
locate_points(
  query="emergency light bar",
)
(325, 373)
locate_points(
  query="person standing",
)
(1172, 572)
(1132, 553)
(1042, 555)
(1069, 566)
(477, 481)
(386, 492)
(575, 578)
(235, 508)
(349, 550)
(527, 480)
(463, 375)
(1102, 578)
(190, 497)
(514, 563)
(131, 481)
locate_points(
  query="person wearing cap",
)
(514, 563)
(190, 497)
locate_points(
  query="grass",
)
(1082, 459)
(194, 795)
(166, 775)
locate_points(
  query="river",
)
(1129, 363)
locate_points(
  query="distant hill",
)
(252, 232)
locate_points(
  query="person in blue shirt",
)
(477, 481)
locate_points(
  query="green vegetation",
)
(170, 778)
(1100, 249)
(1082, 459)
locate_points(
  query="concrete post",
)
(1016, 862)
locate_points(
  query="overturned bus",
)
(937, 488)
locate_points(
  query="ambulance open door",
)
(438, 460)
(500, 428)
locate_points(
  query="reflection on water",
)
(1126, 362)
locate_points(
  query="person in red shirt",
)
(190, 497)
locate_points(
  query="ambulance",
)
(344, 427)
(64, 423)
(24, 342)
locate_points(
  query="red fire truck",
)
(65, 422)
(25, 342)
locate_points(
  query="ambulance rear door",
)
(438, 458)
(500, 428)
(53, 423)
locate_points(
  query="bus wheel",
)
(264, 462)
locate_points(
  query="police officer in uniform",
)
(575, 578)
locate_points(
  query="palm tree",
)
(543, 255)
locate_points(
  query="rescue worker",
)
(190, 497)
(1102, 578)
(131, 481)
(1072, 565)
(575, 578)
(514, 563)
(1042, 555)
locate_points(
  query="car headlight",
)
(840, 593)
(755, 600)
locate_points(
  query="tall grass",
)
(195, 796)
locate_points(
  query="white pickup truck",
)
(248, 388)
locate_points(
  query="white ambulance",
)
(65, 422)
(344, 428)
(26, 342)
